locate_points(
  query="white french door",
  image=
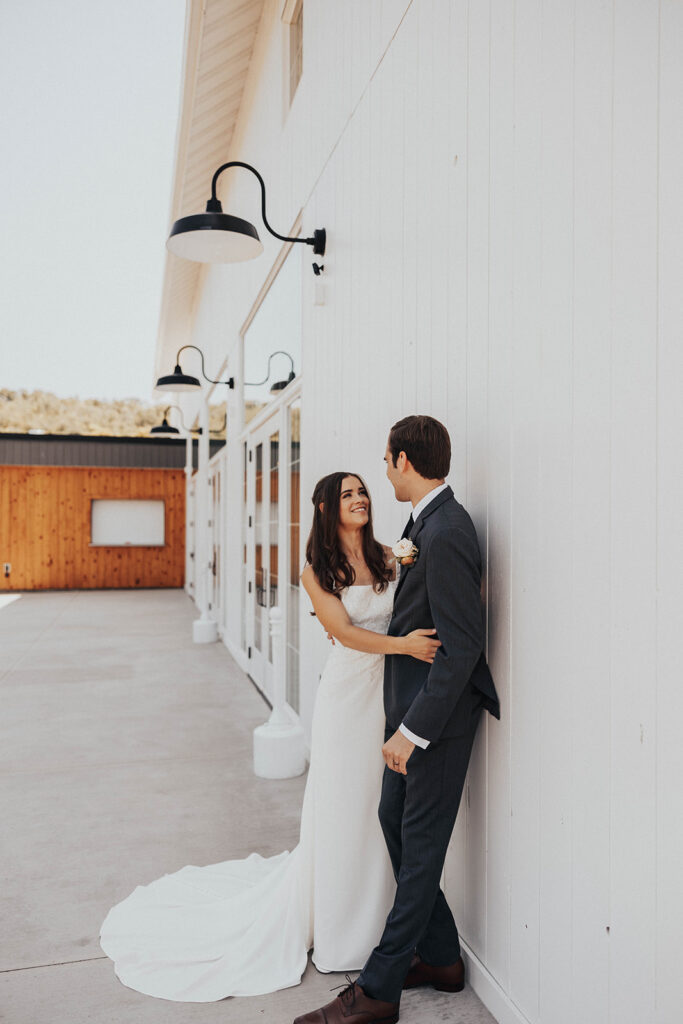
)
(271, 541)
(216, 597)
(190, 561)
(262, 547)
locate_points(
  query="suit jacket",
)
(441, 590)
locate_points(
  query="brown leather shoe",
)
(352, 1006)
(444, 979)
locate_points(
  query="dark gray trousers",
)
(417, 813)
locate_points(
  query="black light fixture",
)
(179, 381)
(217, 237)
(165, 429)
(279, 385)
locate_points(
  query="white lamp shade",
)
(214, 238)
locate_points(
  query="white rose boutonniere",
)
(405, 551)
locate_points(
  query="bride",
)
(244, 927)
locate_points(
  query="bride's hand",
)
(421, 645)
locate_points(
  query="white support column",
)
(204, 629)
(279, 744)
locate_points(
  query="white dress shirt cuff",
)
(417, 740)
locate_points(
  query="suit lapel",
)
(443, 496)
(405, 569)
(416, 530)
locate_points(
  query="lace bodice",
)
(367, 608)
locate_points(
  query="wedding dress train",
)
(244, 927)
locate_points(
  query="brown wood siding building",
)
(45, 528)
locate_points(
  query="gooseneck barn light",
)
(279, 385)
(179, 381)
(217, 237)
(165, 429)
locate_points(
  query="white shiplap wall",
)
(500, 183)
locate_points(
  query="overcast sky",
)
(89, 99)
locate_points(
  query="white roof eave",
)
(202, 144)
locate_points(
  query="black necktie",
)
(409, 526)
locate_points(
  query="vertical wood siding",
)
(45, 528)
(500, 183)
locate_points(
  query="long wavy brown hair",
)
(323, 550)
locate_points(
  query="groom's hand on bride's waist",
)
(396, 752)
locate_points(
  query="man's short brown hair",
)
(426, 444)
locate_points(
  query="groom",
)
(432, 714)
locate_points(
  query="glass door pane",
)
(273, 526)
(294, 469)
(246, 595)
(214, 542)
(262, 553)
(260, 571)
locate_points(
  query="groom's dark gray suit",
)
(441, 703)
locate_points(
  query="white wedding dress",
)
(244, 927)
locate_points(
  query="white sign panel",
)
(125, 522)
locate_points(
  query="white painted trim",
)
(243, 663)
(276, 267)
(489, 991)
(238, 395)
(289, 395)
(237, 654)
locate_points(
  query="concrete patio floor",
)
(125, 753)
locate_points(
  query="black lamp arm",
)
(230, 381)
(258, 383)
(168, 409)
(188, 430)
(318, 239)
